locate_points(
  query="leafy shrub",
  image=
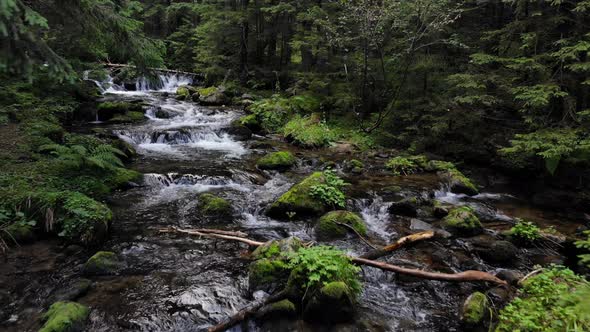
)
(584, 244)
(81, 216)
(308, 132)
(272, 113)
(402, 166)
(555, 300)
(315, 267)
(103, 156)
(525, 231)
(330, 192)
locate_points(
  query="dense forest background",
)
(502, 82)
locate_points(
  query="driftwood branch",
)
(454, 277)
(247, 311)
(357, 234)
(374, 254)
(164, 70)
(225, 235)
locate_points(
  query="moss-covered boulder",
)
(440, 210)
(129, 117)
(333, 303)
(277, 248)
(462, 221)
(406, 207)
(251, 122)
(239, 132)
(183, 93)
(459, 183)
(329, 226)
(214, 206)
(117, 107)
(475, 309)
(213, 96)
(103, 263)
(280, 309)
(281, 161)
(298, 201)
(18, 234)
(65, 317)
(270, 271)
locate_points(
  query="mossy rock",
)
(280, 309)
(125, 147)
(65, 317)
(267, 274)
(214, 206)
(463, 221)
(275, 248)
(475, 309)
(251, 122)
(333, 303)
(129, 117)
(281, 160)
(406, 207)
(213, 96)
(328, 227)
(239, 132)
(459, 183)
(103, 263)
(109, 108)
(299, 201)
(183, 93)
(18, 234)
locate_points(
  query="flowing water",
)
(180, 283)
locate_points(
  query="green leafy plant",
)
(584, 244)
(330, 192)
(402, 166)
(554, 300)
(103, 156)
(526, 231)
(317, 266)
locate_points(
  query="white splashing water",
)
(163, 83)
(375, 214)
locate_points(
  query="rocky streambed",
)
(200, 172)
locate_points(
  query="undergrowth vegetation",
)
(330, 192)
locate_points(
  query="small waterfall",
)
(162, 83)
(375, 213)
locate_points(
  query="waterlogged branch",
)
(374, 254)
(357, 234)
(217, 234)
(454, 277)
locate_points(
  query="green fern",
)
(103, 156)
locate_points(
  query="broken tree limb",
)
(164, 70)
(212, 234)
(454, 277)
(247, 311)
(374, 254)
(357, 234)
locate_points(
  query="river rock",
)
(328, 227)
(280, 309)
(298, 201)
(269, 272)
(65, 317)
(18, 233)
(333, 303)
(72, 291)
(497, 251)
(213, 96)
(214, 206)
(280, 161)
(239, 132)
(475, 309)
(103, 263)
(419, 225)
(462, 221)
(459, 183)
(406, 207)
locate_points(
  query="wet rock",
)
(103, 263)
(161, 114)
(239, 132)
(406, 207)
(298, 201)
(18, 233)
(130, 85)
(333, 303)
(251, 122)
(129, 117)
(462, 221)
(511, 276)
(328, 227)
(281, 161)
(273, 249)
(342, 148)
(459, 183)
(269, 272)
(499, 296)
(183, 93)
(440, 211)
(214, 206)
(195, 97)
(355, 166)
(247, 96)
(108, 109)
(419, 225)
(213, 96)
(475, 309)
(73, 291)
(500, 252)
(126, 148)
(65, 317)
(280, 309)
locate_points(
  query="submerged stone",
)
(328, 227)
(281, 160)
(298, 201)
(65, 317)
(462, 221)
(475, 309)
(103, 263)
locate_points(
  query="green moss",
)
(128, 117)
(299, 199)
(65, 317)
(357, 163)
(439, 165)
(102, 263)
(183, 93)
(335, 290)
(460, 183)
(121, 176)
(277, 248)
(328, 227)
(277, 160)
(284, 307)
(308, 132)
(305, 103)
(214, 206)
(119, 107)
(475, 308)
(271, 113)
(86, 220)
(402, 166)
(250, 121)
(205, 92)
(266, 271)
(19, 233)
(462, 220)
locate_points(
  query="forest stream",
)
(172, 282)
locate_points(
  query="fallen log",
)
(214, 234)
(454, 277)
(164, 70)
(247, 311)
(374, 254)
